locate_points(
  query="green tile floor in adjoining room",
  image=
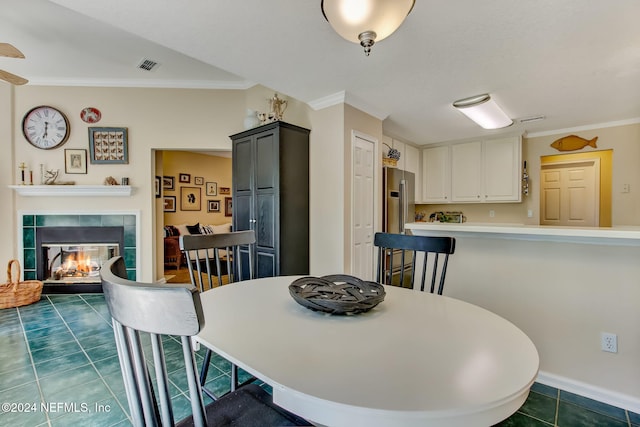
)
(61, 352)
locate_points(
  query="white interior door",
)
(363, 207)
(570, 194)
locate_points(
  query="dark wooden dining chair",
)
(217, 255)
(212, 256)
(146, 311)
(398, 255)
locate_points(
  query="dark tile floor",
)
(59, 367)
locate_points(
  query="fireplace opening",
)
(70, 258)
(71, 263)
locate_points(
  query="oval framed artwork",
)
(90, 115)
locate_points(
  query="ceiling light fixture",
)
(366, 21)
(484, 111)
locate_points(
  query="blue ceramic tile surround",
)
(31, 222)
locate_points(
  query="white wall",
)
(562, 295)
(327, 182)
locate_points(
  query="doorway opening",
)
(575, 189)
(195, 186)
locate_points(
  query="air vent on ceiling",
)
(532, 119)
(147, 64)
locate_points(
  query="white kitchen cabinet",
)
(502, 173)
(486, 171)
(466, 172)
(436, 175)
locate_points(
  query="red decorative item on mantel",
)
(90, 115)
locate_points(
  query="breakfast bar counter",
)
(624, 236)
(564, 287)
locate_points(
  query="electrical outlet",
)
(609, 342)
(529, 213)
(492, 213)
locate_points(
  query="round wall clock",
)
(45, 127)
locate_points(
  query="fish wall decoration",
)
(573, 143)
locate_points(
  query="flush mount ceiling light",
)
(484, 111)
(366, 21)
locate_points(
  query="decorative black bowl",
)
(337, 294)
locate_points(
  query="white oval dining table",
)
(416, 359)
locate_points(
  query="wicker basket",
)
(337, 294)
(17, 293)
(389, 162)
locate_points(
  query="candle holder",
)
(22, 166)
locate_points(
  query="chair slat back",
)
(399, 253)
(144, 312)
(214, 255)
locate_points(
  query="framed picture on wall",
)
(169, 203)
(167, 182)
(198, 180)
(213, 205)
(185, 178)
(75, 161)
(228, 206)
(225, 190)
(190, 198)
(158, 187)
(212, 188)
(109, 145)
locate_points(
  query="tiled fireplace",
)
(66, 251)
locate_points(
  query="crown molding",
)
(584, 128)
(328, 101)
(346, 98)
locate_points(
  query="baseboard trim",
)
(610, 397)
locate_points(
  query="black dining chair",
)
(212, 256)
(147, 311)
(227, 257)
(399, 253)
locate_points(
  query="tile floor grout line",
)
(555, 420)
(585, 408)
(108, 321)
(33, 365)
(536, 418)
(89, 358)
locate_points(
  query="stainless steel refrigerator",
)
(399, 206)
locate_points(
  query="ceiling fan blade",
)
(12, 78)
(9, 50)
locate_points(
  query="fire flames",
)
(77, 265)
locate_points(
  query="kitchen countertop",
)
(623, 235)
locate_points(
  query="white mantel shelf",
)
(72, 190)
(621, 236)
